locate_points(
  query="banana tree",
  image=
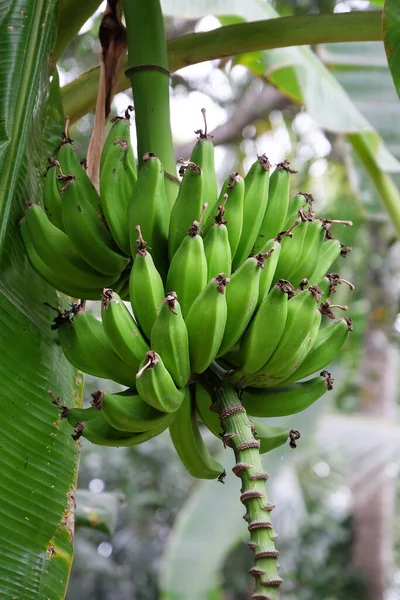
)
(39, 458)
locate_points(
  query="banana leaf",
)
(38, 458)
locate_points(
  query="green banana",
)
(56, 250)
(301, 202)
(205, 323)
(288, 399)
(328, 284)
(69, 163)
(189, 444)
(188, 205)
(120, 130)
(278, 204)
(187, 274)
(51, 194)
(294, 341)
(86, 230)
(330, 250)
(60, 280)
(86, 346)
(203, 156)
(74, 415)
(121, 330)
(255, 204)
(100, 432)
(117, 183)
(204, 407)
(234, 187)
(265, 331)
(292, 246)
(146, 288)
(169, 338)
(311, 249)
(156, 386)
(269, 436)
(149, 209)
(241, 300)
(272, 250)
(216, 246)
(128, 411)
(327, 344)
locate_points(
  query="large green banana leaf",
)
(38, 459)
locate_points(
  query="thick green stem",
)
(79, 96)
(147, 70)
(383, 182)
(238, 433)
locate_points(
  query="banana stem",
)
(239, 435)
(147, 70)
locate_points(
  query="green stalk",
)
(79, 96)
(147, 70)
(383, 183)
(238, 433)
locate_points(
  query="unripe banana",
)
(57, 252)
(257, 347)
(120, 130)
(272, 250)
(189, 444)
(269, 436)
(327, 344)
(301, 202)
(294, 341)
(330, 250)
(234, 187)
(311, 249)
(86, 230)
(203, 156)
(149, 209)
(100, 432)
(255, 204)
(121, 330)
(62, 281)
(51, 194)
(146, 288)
(128, 411)
(169, 338)
(278, 204)
(86, 346)
(292, 246)
(117, 182)
(187, 274)
(204, 408)
(216, 246)
(241, 300)
(69, 163)
(288, 399)
(205, 323)
(156, 386)
(187, 207)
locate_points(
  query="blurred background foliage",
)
(146, 530)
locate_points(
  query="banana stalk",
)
(238, 434)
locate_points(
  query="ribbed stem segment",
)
(238, 433)
(147, 70)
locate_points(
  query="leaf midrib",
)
(37, 38)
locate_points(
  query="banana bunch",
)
(236, 283)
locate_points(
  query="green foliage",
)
(38, 457)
